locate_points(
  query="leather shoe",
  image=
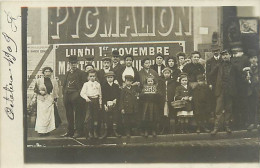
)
(67, 134)
(228, 130)
(251, 127)
(214, 132)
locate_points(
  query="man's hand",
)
(210, 86)
(123, 111)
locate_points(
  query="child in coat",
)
(183, 92)
(128, 104)
(91, 92)
(167, 87)
(149, 97)
(110, 95)
(202, 99)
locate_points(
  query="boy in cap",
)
(158, 66)
(251, 76)
(226, 90)
(74, 80)
(201, 101)
(128, 104)
(110, 95)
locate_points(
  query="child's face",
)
(200, 82)
(171, 62)
(253, 60)
(128, 61)
(166, 74)
(92, 77)
(195, 58)
(184, 81)
(128, 82)
(110, 79)
(150, 81)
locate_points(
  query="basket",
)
(178, 104)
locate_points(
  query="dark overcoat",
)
(128, 100)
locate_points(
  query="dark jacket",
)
(110, 93)
(232, 82)
(181, 92)
(175, 73)
(117, 70)
(171, 87)
(136, 77)
(128, 100)
(210, 65)
(155, 67)
(193, 70)
(81, 79)
(143, 75)
(101, 76)
(201, 99)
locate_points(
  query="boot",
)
(115, 131)
(154, 133)
(250, 127)
(90, 135)
(146, 133)
(198, 130)
(128, 134)
(215, 131)
(228, 130)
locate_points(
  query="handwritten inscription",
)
(9, 54)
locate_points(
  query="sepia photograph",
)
(141, 84)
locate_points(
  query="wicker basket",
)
(178, 103)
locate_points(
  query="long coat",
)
(128, 100)
(233, 79)
(81, 79)
(171, 87)
(210, 65)
(117, 70)
(201, 100)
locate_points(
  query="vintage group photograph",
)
(142, 84)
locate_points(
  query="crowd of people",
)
(177, 94)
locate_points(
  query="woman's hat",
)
(89, 57)
(110, 73)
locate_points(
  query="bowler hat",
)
(224, 52)
(110, 73)
(129, 77)
(73, 59)
(115, 53)
(89, 57)
(215, 48)
(159, 55)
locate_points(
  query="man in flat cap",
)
(72, 85)
(116, 67)
(225, 92)
(158, 66)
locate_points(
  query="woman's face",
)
(184, 81)
(195, 58)
(47, 73)
(128, 61)
(147, 64)
(171, 63)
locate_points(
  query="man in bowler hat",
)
(116, 67)
(72, 85)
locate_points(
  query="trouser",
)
(73, 102)
(129, 121)
(94, 114)
(252, 108)
(223, 110)
(111, 118)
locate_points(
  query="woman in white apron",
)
(46, 88)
